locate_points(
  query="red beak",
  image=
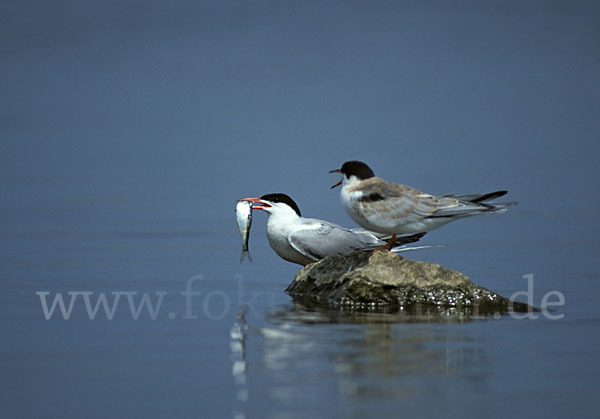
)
(264, 205)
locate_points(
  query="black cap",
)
(358, 169)
(281, 197)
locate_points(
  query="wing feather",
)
(320, 238)
(400, 202)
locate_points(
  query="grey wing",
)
(321, 239)
(397, 201)
(413, 205)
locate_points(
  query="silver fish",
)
(243, 213)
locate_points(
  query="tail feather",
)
(471, 204)
(404, 248)
(489, 196)
(244, 254)
(403, 240)
(477, 198)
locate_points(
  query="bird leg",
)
(388, 246)
(399, 241)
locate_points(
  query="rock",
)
(388, 281)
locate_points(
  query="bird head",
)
(352, 168)
(275, 203)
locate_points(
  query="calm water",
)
(129, 129)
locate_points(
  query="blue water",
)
(129, 129)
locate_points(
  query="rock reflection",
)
(305, 351)
(374, 355)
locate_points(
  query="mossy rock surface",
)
(386, 280)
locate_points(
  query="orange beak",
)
(340, 182)
(264, 205)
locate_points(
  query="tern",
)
(385, 207)
(306, 240)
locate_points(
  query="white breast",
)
(277, 234)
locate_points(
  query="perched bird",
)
(306, 240)
(385, 207)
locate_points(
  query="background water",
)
(129, 128)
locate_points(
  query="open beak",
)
(340, 182)
(264, 204)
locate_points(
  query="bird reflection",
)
(237, 344)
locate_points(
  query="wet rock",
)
(387, 281)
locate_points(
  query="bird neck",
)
(283, 216)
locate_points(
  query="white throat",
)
(351, 181)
